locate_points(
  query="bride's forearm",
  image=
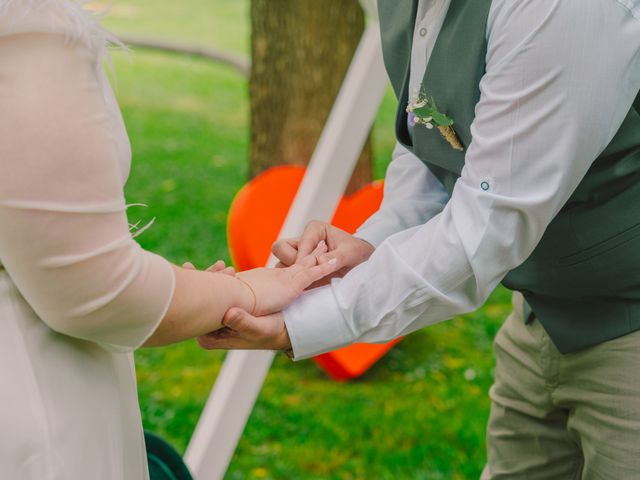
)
(199, 302)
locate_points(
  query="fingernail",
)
(333, 261)
(322, 243)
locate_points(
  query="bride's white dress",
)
(77, 294)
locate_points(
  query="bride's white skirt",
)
(68, 408)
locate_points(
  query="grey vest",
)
(583, 279)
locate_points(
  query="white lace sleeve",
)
(64, 237)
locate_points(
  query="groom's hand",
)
(347, 250)
(243, 331)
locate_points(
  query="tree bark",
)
(301, 50)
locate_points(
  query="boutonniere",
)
(422, 110)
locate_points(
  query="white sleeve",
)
(553, 97)
(64, 236)
(412, 196)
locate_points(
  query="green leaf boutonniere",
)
(423, 111)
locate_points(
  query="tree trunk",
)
(301, 50)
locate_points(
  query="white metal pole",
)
(371, 8)
(243, 373)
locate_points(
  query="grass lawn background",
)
(420, 413)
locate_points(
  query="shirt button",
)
(423, 32)
(485, 186)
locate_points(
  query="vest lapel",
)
(397, 22)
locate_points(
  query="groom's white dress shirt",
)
(561, 77)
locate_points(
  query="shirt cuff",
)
(315, 324)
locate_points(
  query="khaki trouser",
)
(554, 416)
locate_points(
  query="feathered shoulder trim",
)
(69, 17)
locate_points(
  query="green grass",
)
(419, 413)
(219, 23)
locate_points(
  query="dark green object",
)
(583, 279)
(164, 462)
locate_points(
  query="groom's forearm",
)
(412, 196)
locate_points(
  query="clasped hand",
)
(313, 259)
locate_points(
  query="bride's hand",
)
(218, 267)
(275, 288)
